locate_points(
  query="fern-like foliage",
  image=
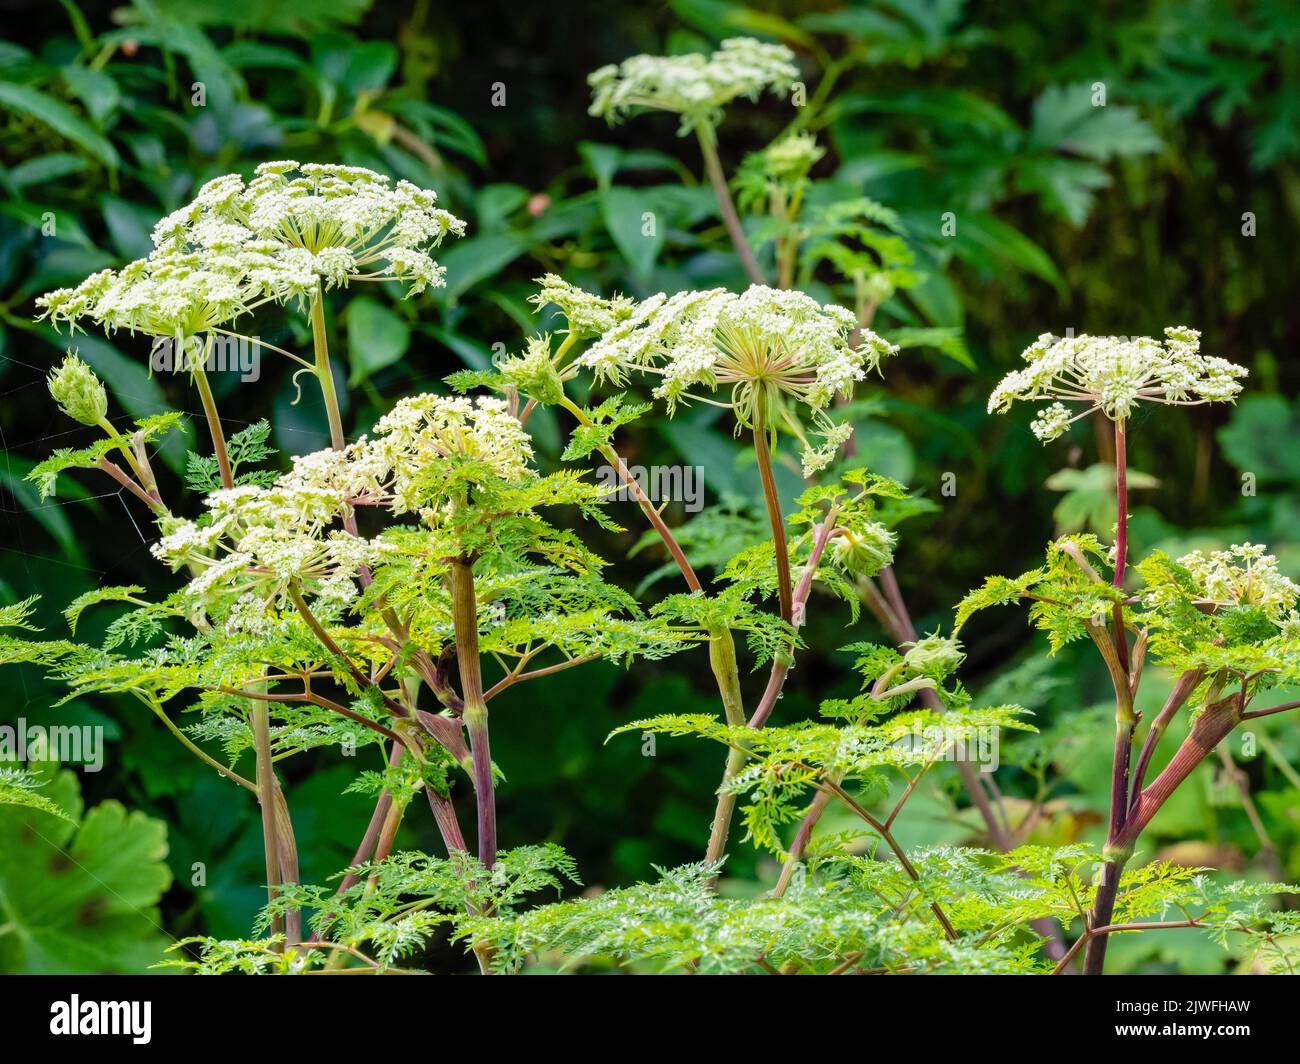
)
(246, 447)
(20, 787)
(46, 474)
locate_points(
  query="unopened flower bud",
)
(534, 372)
(79, 393)
(864, 551)
(877, 288)
(934, 656)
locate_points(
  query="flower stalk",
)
(475, 713)
(324, 373)
(214, 423)
(718, 179)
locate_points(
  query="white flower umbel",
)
(284, 235)
(166, 295)
(695, 86)
(259, 543)
(1243, 575)
(1114, 374)
(427, 429)
(313, 224)
(767, 348)
(698, 88)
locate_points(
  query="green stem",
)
(465, 624)
(214, 423)
(722, 647)
(201, 754)
(722, 659)
(713, 167)
(266, 787)
(124, 446)
(324, 375)
(775, 518)
(723, 656)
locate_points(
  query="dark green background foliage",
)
(1120, 219)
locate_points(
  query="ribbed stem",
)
(324, 374)
(475, 715)
(1118, 663)
(774, 516)
(1094, 957)
(266, 788)
(1121, 540)
(713, 167)
(214, 425)
(722, 659)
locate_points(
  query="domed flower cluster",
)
(167, 295)
(935, 656)
(865, 549)
(1113, 374)
(534, 373)
(780, 169)
(256, 542)
(281, 236)
(767, 346)
(790, 158)
(695, 86)
(1243, 575)
(78, 391)
(425, 429)
(335, 223)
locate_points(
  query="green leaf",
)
(1260, 438)
(984, 241)
(59, 117)
(80, 898)
(129, 225)
(14, 475)
(935, 105)
(628, 215)
(1089, 502)
(1065, 119)
(97, 91)
(948, 342)
(72, 614)
(377, 337)
(46, 168)
(469, 261)
(1067, 186)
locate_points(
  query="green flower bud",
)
(864, 552)
(790, 158)
(79, 393)
(934, 656)
(878, 287)
(534, 373)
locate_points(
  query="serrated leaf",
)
(81, 892)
